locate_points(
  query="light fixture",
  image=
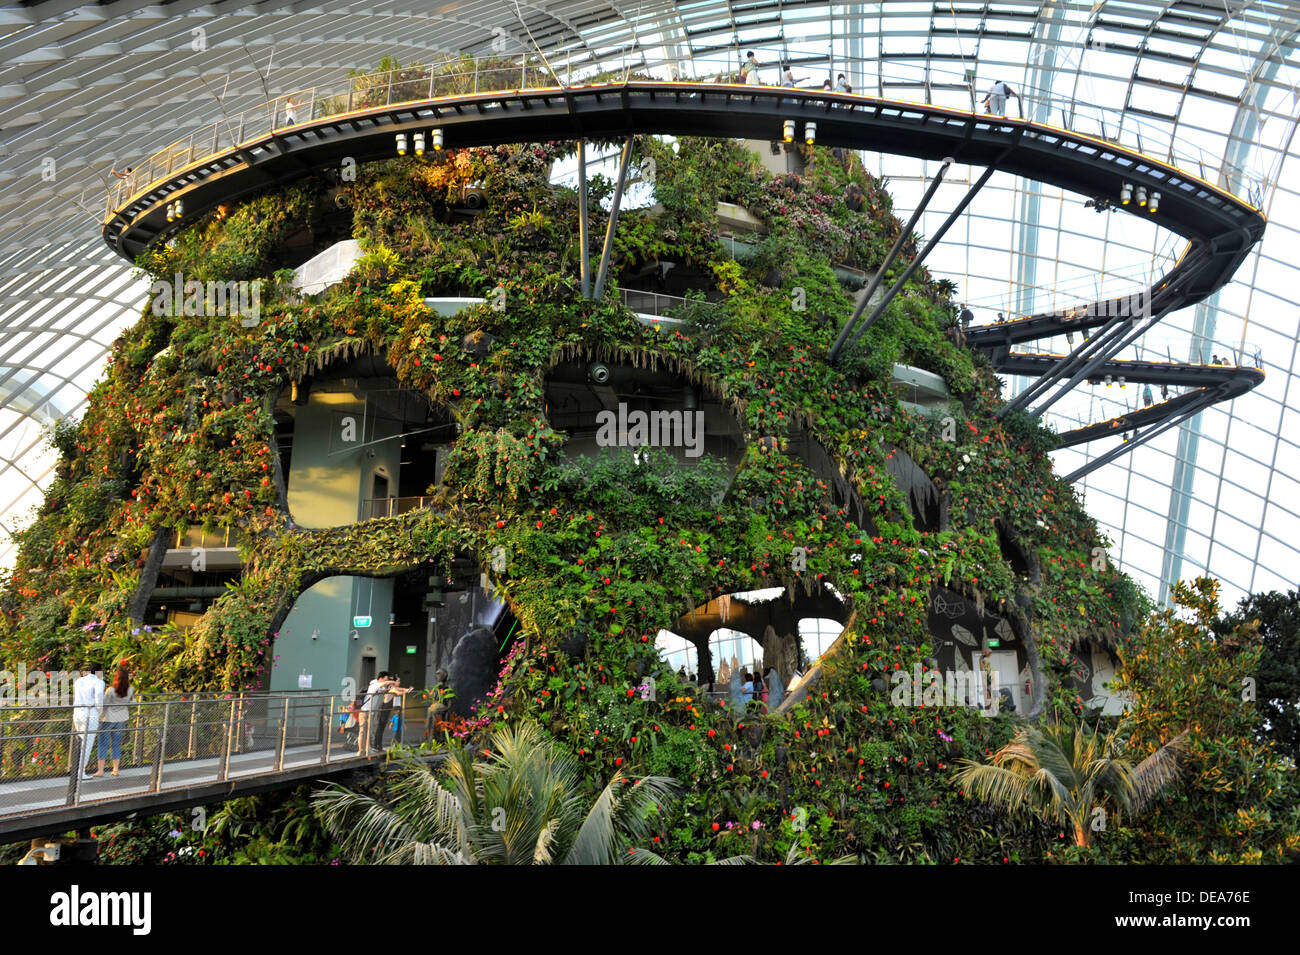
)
(401, 144)
(1109, 381)
(1142, 196)
(417, 142)
(171, 211)
(437, 139)
(1154, 204)
(787, 130)
(180, 208)
(809, 133)
(1125, 193)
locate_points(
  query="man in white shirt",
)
(373, 713)
(995, 101)
(87, 704)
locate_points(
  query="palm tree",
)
(521, 806)
(1064, 773)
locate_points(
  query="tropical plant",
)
(1064, 774)
(521, 806)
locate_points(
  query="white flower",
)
(966, 458)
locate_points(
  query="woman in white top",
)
(116, 700)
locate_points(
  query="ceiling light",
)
(401, 144)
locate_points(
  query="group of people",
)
(371, 713)
(99, 712)
(749, 75)
(995, 100)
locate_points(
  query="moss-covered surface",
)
(179, 432)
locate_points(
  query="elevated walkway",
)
(231, 161)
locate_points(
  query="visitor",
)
(749, 69)
(395, 703)
(788, 79)
(1148, 399)
(995, 100)
(372, 723)
(124, 174)
(87, 705)
(116, 699)
(438, 705)
(760, 691)
(1001, 318)
(775, 689)
(692, 679)
(290, 112)
(1164, 392)
(986, 669)
(842, 85)
(965, 316)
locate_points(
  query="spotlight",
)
(809, 133)
(1125, 193)
(787, 130)
(180, 208)
(437, 139)
(1154, 204)
(1142, 196)
(1109, 381)
(417, 142)
(171, 211)
(401, 144)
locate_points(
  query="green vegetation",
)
(179, 433)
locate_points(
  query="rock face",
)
(472, 673)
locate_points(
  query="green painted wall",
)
(339, 445)
(316, 637)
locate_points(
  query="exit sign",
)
(410, 649)
(994, 644)
(360, 621)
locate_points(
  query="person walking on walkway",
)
(842, 85)
(87, 704)
(116, 699)
(995, 100)
(749, 69)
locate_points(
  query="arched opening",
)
(354, 444)
(758, 629)
(600, 404)
(426, 625)
(960, 633)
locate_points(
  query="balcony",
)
(377, 507)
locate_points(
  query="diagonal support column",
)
(613, 220)
(897, 247)
(1105, 354)
(1066, 365)
(584, 239)
(924, 253)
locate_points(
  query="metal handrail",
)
(377, 507)
(206, 739)
(466, 76)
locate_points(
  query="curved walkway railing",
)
(467, 75)
(1221, 228)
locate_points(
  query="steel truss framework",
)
(1212, 87)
